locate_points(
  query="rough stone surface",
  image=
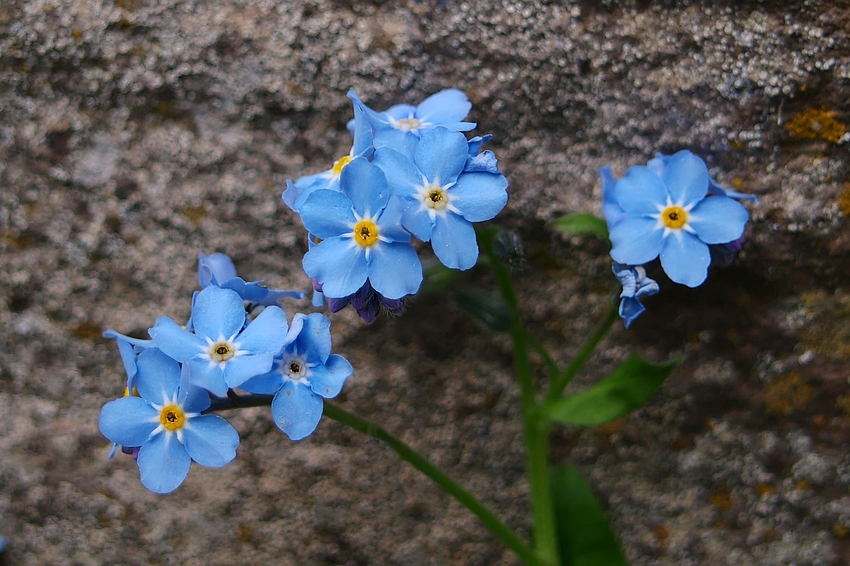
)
(136, 133)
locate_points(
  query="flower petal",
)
(202, 373)
(158, 377)
(441, 155)
(327, 380)
(395, 270)
(640, 192)
(366, 186)
(685, 259)
(636, 241)
(210, 440)
(403, 176)
(265, 384)
(266, 333)
(218, 313)
(128, 421)
(450, 105)
(192, 398)
(718, 220)
(163, 463)
(240, 369)
(297, 410)
(339, 265)
(314, 340)
(326, 213)
(479, 196)
(453, 240)
(215, 269)
(686, 177)
(177, 342)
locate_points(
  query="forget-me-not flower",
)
(361, 237)
(636, 284)
(402, 125)
(441, 197)
(361, 130)
(217, 269)
(222, 352)
(671, 216)
(303, 375)
(166, 423)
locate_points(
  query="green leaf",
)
(627, 388)
(581, 223)
(436, 277)
(584, 535)
(491, 312)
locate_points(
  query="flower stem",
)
(536, 429)
(408, 454)
(560, 382)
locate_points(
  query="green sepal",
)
(627, 388)
(584, 536)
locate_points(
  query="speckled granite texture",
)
(136, 133)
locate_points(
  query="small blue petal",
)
(163, 463)
(327, 380)
(176, 341)
(128, 421)
(718, 220)
(686, 177)
(394, 270)
(612, 211)
(453, 240)
(636, 241)
(192, 398)
(366, 186)
(266, 333)
(214, 269)
(210, 440)
(158, 377)
(630, 309)
(297, 410)
(339, 264)
(441, 155)
(206, 375)
(218, 313)
(685, 259)
(399, 140)
(403, 176)
(265, 384)
(326, 214)
(314, 340)
(640, 192)
(450, 105)
(479, 196)
(240, 369)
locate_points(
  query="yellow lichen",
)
(787, 393)
(844, 200)
(816, 124)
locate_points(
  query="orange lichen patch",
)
(764, 489)
(787, 393)
(661, 532)
(840, 530)
(816, 124)
(195, 213)
(721, 498)
(802, 485)
(844, 200)
(244, 533)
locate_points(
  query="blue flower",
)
(218, 270)
(304, 374)
(296, 193)
(670, 216)
(361, 237)
(635, 285)
(402, 125)
(223, 352)
(441, 198)
(166, 423)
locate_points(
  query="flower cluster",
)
(669, 209)
(181, 373)
(410, 173)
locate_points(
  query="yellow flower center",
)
(172, 417)
(366, 233)
(221, 352)
(674, 217)
(340, 164)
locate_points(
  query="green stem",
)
(536, 429)
(547, 359)
(560, 382)
(408, 454)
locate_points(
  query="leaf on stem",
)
(584, 535)
(491, 312)
(581, 223)
(627, 388)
